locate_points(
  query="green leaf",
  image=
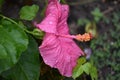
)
(21, 25)
(93, 73)
(29, 12)
(81, 60)
(78, 70)
(86, 68)
(3, 53)
(28, 67)
(13, 41)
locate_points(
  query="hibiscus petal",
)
(53, 12)
(62, 27)
(60, 52)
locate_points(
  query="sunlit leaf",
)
(93, 73)
(78, 70)
(81, 60)
(87, 67)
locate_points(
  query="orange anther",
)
(84, 37)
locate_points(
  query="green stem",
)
(29, 31)
(4, 17)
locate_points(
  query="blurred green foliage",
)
(97, 14)
(1, 3)
(106, 45)
(106, 51)
(83, 21)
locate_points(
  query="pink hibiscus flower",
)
(58, 48)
